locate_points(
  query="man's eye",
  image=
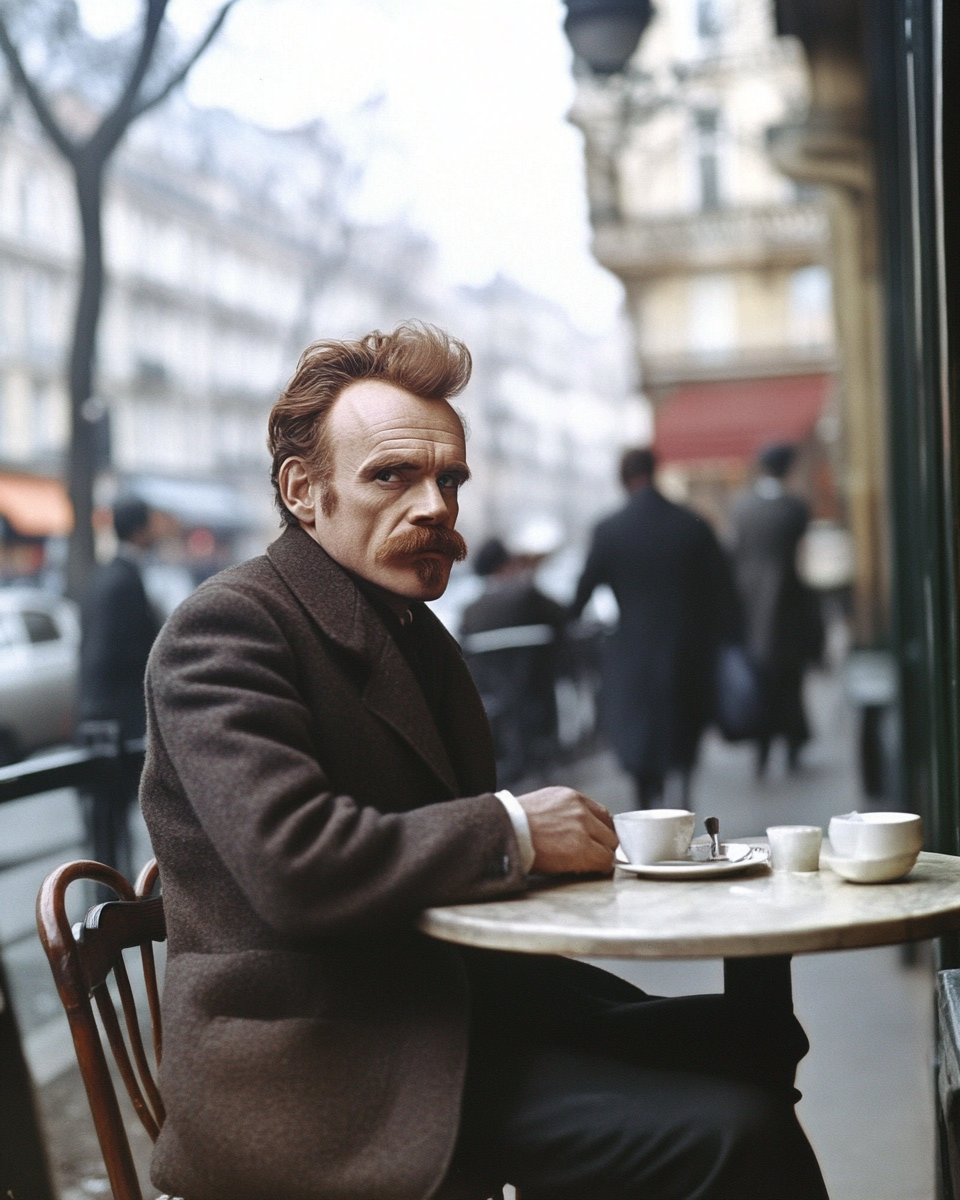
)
(449, 482)
(387, 475)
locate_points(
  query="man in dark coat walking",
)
(516, 676)
(783, 626)
(319, 770)
(668, 574)
(118, 628)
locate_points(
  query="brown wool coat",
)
(302, 808)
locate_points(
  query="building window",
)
(709, 20)
(47, 420)
(39, 316)
(708, 157)
(810, 307)
(712, 329)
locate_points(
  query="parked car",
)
(39, 652)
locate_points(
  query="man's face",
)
(398, 463)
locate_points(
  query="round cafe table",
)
(755, 922)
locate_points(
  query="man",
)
(319, 770)
(667, 572)
(118, 627)
(517, 677)
(783, 628)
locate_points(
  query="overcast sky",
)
(456, 107)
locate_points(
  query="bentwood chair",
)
(82, 959)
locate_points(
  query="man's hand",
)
(570, 832)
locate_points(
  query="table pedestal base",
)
(764, 982)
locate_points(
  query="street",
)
(867, 1082)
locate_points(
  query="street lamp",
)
(605, 33)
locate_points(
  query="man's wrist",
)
(521, 827)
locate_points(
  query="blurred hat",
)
(538, 538)
(491, 556)
(777, 458)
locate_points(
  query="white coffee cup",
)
(654, 834)
(874, 835)
(795, 847)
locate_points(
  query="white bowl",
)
(873, 870)
(876, 835)
(654, 834)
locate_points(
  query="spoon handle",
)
(712, 826)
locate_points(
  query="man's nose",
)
(428, 502)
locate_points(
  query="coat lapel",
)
(329, 595)
(465, 720)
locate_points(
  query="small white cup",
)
(654, 834)
(795, 847)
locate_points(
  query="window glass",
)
(40, 627)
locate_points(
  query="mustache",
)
(427, 539)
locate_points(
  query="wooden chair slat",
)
(104, 1108)
(147, 880)
(153, 999)
(132, 1021)
(111, 1025)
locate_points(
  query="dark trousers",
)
(781, 688)
(582, 1087)
(650, 788)
(106, 813)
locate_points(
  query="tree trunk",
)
(81, 463)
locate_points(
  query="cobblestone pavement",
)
(868, 1098)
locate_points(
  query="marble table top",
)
(735, 917)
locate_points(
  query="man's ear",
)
(295, 488)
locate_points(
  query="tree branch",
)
(115, 123)
(180, 75)
(38, 103)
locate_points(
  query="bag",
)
(737, 703)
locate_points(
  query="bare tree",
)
(89, 157)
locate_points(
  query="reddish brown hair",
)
(420, 358)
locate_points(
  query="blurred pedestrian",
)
(670, 580)
(510, 637)
(118, 628)
(783, 629)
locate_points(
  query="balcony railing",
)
(792, 235)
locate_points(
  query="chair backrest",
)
(82, 959)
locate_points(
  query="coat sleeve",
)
(225, 709)
(594, 573)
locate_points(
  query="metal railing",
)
(96, 763)
(81, 766)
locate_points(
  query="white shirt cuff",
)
(521, 827)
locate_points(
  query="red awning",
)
(735, 418)
(35, 506)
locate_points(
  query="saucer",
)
(872, 870)
(740, 857)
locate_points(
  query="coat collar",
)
(335, 603)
